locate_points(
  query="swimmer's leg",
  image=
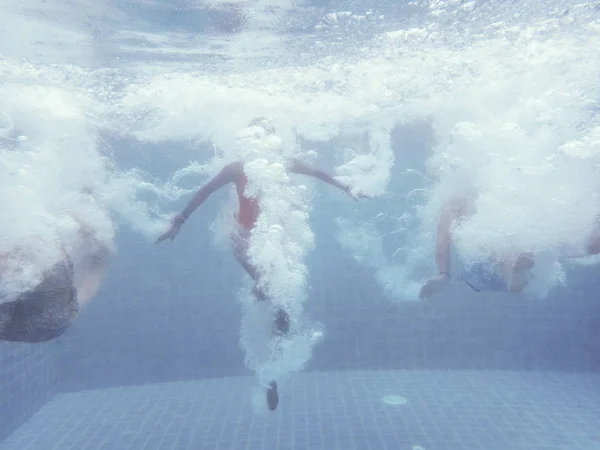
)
(281, 327)
(272, 395)
(520, 271)
(281, 323)
(240, 251)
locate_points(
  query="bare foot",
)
(433, 285)
(524, 261)
(272, 396)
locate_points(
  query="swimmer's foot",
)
(524, 261)
(272, 396)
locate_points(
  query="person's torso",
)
(249, 207)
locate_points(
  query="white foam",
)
(39, 176)
(511, 88)
(278, 245)
(518, 128)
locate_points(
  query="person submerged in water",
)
(46, 311)
(499, 273)
(506, 273)
(247, 216)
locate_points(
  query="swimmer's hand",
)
(433, 285)
(173, 231)
(355, 195)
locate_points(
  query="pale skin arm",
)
(228, 174)
(299, 167)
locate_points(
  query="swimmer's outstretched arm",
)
(228, 174)
(302, 168)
